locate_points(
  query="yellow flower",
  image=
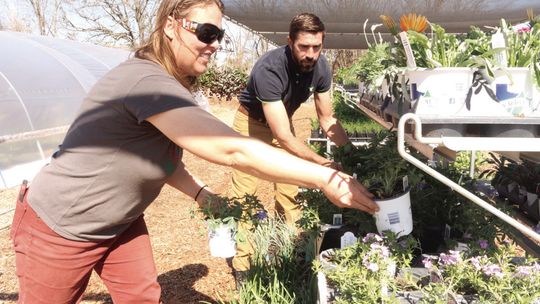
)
(390, 24)
(413, 22)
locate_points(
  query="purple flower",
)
(372, 237)
(475, 261)
(450, 259)
(493, 271)
(483, 244)
(261, 215)
(523, 271)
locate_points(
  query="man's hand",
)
(346, 192)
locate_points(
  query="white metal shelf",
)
(468, 143)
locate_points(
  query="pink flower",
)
(427, 260)
(373, 267)
(380, 248)
(372, 237)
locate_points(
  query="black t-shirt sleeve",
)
(268, 84)
(325, 81)
(156, 94)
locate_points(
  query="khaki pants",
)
(243, 183)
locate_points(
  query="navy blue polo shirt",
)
(276, 78)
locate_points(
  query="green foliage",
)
(378, 165)
(223, 82)
(280, 271)
(441, 50)
(371, 66)
(348, 76)
(462, 163)
(490, 278)
(364, 272)
(353, 120)
(317, 210)
(220, 210)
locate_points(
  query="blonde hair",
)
(158, 50)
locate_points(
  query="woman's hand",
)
(346, 192)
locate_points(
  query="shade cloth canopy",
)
(344, 19)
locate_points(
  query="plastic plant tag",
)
(405, 183)
(411, 62)
(447, 231)
(337, 219)
(348, 239)
(222, 242)
(461, 247)
(498, 41)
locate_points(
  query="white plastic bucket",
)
(222, 242)
(516, 91)
(439, 91)
(395, 215)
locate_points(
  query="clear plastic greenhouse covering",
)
(344, 19)
(43, 81)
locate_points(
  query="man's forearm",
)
(334, 131)
(296, 147)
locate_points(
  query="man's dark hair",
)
(305, 22)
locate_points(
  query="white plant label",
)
(348, 239)
(411, 62)
(498, 41)
(405, 183)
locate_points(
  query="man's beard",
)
(307, 65)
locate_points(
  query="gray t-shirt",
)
(112, 163)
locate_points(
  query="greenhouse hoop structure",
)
(43, 81)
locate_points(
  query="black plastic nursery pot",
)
(331, 237)
(431, 238)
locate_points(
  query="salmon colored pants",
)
(53, 269)
(243, 183)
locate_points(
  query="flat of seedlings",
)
(187, 272)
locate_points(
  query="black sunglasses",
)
(205, 32)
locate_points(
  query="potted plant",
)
(380, 269)
(315, 128)
(364, 272)
(222, 215)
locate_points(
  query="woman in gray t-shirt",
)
(84, 210)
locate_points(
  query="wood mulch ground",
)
(187, 272)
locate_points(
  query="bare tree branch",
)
(48, 14)
(114, 22)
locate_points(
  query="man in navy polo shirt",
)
(280, 82)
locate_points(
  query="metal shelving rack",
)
(468, 143)
(446, 147)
